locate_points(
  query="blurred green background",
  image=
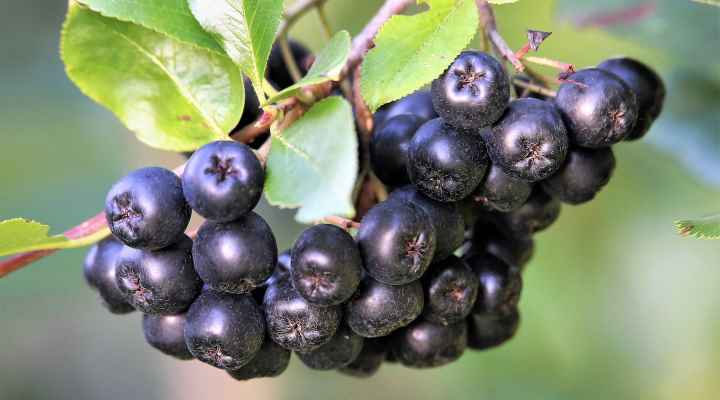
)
(615, 303)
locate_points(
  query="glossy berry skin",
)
(487, 331)
(237, 256)
(146, 209)
(277, 70)
(223, 180)
(271, 361)
(473, 92)
(488, 238)
(224, 330)
(444, 163)
(100, 273)
(451, 289)
(397, 242)
(530, 141)
(389, 148)
(585, 173)
(535, 216)
(326, 265)
(500, 284)
(502, 192)
(280, 273)
(419, 104)
(167, 334)
(160, 282)
(598, 108)
(340, 351)
(294, 323)
(425, 344)
(445, 218)
(649, 90)
(378, 309)
(369, 361)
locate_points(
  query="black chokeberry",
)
(649, 90)
(370, 359)
(473, 92)
(167, 334)
(223, 180)
(146, 209)
(540, 211)
(419, 104)
(237, 256)
(296, 324)
(451, 289)
(530, 140)
(397, 242)
(326, 265)
(490, 330)
(425, 344)
(278, 72)
(224, 330)
(159, 282)
(378, 309)
(585, 173)
(271, 361)
(340, 351)
(500, 284)
(100, 269)
(502, 192)
(598, 108)
(445, 218)
(488, 238)
(445, 163)
(389, 148)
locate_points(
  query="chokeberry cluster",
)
(433, 270)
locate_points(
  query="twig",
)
(564, 67)
(324, 20)
(364, 40)
(534, 88)
(341, 222)
(487, 19)
(291, 16)
(288, 58)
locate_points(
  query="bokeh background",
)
(615, 303)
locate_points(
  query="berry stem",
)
(291, 16)
(559, 65)
(341, 222)
(487, 19)
(289, 59)
(532, 87)
(324, 20)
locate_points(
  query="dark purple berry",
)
(487, 331)
(146, 209)
(598, 108)
(502, 192)
(451, 289)
(237, 256)
(585, 173)
(425, 344)
(100, 273)
(378, 309)
(278, 72)
(389, 148)
(369, 360)
(419, 104)
(530, 141)
(473, 92)
(159, 282)
(536, 215)
(271, 361)
(397, 242)
(500, 284)
(167, 334)
(340, 351)
(223, 180)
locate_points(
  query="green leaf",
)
(313, 163)
(245, 28)
(701, 228)
(327, 66)
(170, 17)
(411, 51)
(20, 235)
(715, 3)
(173, 95)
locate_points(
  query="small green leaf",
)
(411, 51)
(19, 235)
(701, 228)
(173, 95)
(313, 163)
(327, 66)
(170, 17)
(245, 28)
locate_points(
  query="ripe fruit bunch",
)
(433, 270)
